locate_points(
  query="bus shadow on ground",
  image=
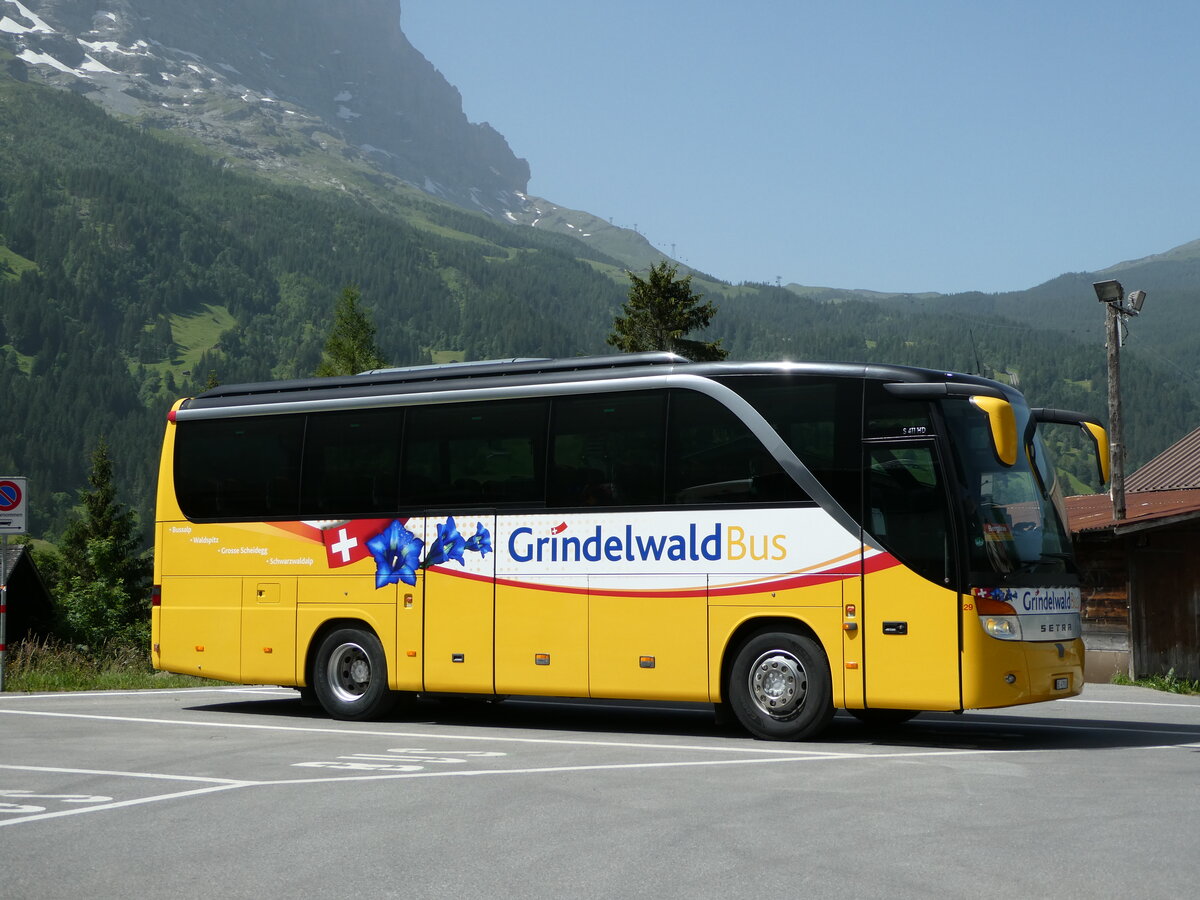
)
(928, 731)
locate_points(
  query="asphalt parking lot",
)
(244, 792)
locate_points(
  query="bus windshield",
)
(1013, 514)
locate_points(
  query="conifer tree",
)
(661, 310)
(104, 577)
(350, 348)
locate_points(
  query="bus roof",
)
(451, 377)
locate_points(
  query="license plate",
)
(1060, 684)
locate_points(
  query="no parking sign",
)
(12, 504)
(12, 521)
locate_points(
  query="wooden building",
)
(1141, 575)
(30, 611)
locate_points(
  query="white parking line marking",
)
(154, 693)
(121, 804)
(65, 798)
(602, 767)
(1130, 703)
(219, 784)
(1057, 725)
(354, 732)
(64, 771)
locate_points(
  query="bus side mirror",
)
(1100, 441)
(1091, 427)
(1003, 423)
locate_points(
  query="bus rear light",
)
(156, 595)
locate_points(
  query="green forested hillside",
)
(141, 267)
(132, 268)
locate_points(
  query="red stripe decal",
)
(876, 563)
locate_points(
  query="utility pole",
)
(1116, 441)
(1112, 295)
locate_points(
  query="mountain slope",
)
(325, 95)
(273, 82)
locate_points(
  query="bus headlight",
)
(1006, 628)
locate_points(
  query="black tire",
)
(883, 718)
(780, 688)
(350, 675)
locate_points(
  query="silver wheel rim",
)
(778, 684)
(348, 672)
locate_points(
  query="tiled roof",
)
(1176, 468)
(1143, 509)
(12, 555)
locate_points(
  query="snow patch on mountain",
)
(35, 26)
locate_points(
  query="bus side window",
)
(351, 463)
(908, 506)
(474, 454)
(239, 468)
(712, 457)
(820, 418)
(607, 450)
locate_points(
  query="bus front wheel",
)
(350, 675)
(780, 687)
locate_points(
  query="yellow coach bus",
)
(782, 539)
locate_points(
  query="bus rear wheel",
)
(780, 688)
(350, 675)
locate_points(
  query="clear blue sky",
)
(895, 145)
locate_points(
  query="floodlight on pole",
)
(1109, 291)
(1112, 294)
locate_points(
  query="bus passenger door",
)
(459, 604)
(909, 618)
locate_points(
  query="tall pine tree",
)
(660, 311)
(104, 579)
(351, 346)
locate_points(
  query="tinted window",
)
(239, 468)
(712, 457)
(907, 509)
(607, 450)
(479, 454)
(820, 418)
(351, 462)
(895, 417)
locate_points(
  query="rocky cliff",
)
(272, 82)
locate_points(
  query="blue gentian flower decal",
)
(480, 541)
(397, 553)
(397, 550)
(449, 545)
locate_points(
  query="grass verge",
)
(53, 665)
(1169, 682)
